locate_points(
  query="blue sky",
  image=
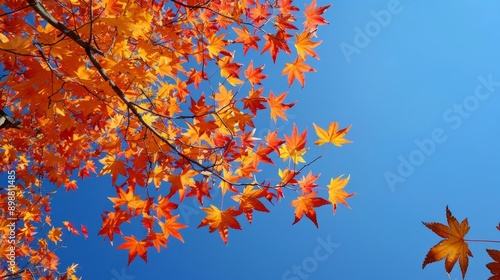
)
(415, 81)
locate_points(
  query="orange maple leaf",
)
(494, 267)
(126, 198)
(247, 39)
(114, 166)
(305, 46)
(453, 247)
(171, 227)
(181, 182)
(135, 248)
(306, 205)
(294, 147)
(216, 45)
(333, 135)
(307, 184)
(275, 43)
(277, 106)
(296, 71)
(249, 200)
(111, 223)
(55, 234)
(314, 16)
(254, 101)
(336, 192)
(221, 220)
(254, 76)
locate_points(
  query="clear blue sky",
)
(415, 79)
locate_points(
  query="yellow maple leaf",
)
(333, 135)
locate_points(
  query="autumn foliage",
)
(162, 96)
(455, 247)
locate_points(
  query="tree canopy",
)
(162, 96)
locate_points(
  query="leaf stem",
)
(481, 240)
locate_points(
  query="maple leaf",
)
(254, 76)
(221, 220)
(114, 166)
(248, 40)
(181, 182)
(126, 198)
(453, 247)
(55, 234)
(249, 200)
(277, 106)
(307, 184)
(275, 43)
(314, 16)
(165, 207)
(494, 267)
(296, 71)
(294, 146)
(200, 190)
(111, 223)
(272, 140)
(306, 204)
(70, 185)
(305, 46)
(254, 101)
(171, 227)
(69, 226)
(157, 239)
(336, 192)
(84, 231)
(333, 135)
(135, 248)
(216, 45)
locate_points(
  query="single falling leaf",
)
(453, 247)
(220, 220)
(494, 267)
(333, 135)
(306, 204)
(336, 192)
(84, 231)
(135, 248)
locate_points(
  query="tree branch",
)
(40, 9)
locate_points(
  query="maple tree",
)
(160, 95)
(454, 247)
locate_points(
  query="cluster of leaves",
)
(454, 247)
(161, 95)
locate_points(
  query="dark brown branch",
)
(40, 9)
